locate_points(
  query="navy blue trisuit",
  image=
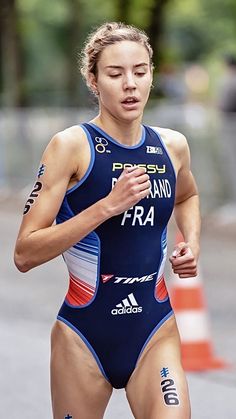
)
(117, 297)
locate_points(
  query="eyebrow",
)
(120, 67)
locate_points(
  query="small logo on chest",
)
(101, 145)
(151, 149)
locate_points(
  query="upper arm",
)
(185, 182)
(59, 165)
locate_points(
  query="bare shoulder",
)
(70, 150)
(176, 145)
(70, 140)
(172, 139)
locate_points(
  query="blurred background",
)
(42, 92)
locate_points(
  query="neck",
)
(126, 132)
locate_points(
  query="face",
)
(123, 81)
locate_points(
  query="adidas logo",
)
(128, 306)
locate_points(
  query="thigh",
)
(78, 388)
(158, 389)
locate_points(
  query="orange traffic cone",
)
(189, 304)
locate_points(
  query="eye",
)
(114, 75)
(140, 73)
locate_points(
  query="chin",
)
(126, 116)
(131, 115)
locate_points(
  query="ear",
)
(92, 83)
(152, 71)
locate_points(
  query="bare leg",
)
(79, 390)
(158, 389)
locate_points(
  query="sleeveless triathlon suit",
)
(117, 298)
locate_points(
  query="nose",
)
(129, 82)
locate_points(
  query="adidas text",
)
(128, 305)
(128, 310)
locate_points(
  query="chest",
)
(108, 160)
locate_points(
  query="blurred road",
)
(29, 303)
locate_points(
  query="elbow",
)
(194, 195)
(21, 262)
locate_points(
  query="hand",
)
(183, 261)
(132, 186)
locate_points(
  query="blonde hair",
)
(109, 34)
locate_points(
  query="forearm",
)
(45, 244)
(187, 215)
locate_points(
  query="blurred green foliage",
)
(200, 29)
(41, 40)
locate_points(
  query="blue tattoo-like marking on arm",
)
(164, 372)
(41, 170)
(34, 194)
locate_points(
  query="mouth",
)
(130, 100)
